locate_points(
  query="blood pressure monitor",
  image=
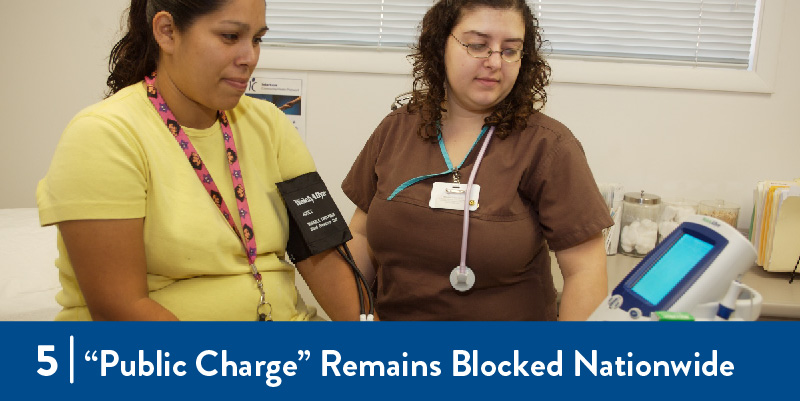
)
(690, 271)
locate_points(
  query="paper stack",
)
(613, 195)
(775, 228)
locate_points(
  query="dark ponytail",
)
(136, 54)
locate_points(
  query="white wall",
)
(54, 63)
(672, 142)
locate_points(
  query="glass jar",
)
(639, 227)
(718, 208)
(674, 212)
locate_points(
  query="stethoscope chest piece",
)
(462, 281)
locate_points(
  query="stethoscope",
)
(462, 278)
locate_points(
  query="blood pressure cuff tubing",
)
(315, 223)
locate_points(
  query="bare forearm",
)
(585, 278)
(332, 282)
(109, 261)
(582, 293)
(144, 309)
(359, 246)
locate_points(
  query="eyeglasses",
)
(479, 50)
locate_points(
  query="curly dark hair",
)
(527, 96)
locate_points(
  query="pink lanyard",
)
(248, 240)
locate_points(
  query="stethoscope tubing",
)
(462, 267)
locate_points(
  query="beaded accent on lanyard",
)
(247, 237)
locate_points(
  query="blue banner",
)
(387, 360)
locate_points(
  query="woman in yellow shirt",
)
(155, 221)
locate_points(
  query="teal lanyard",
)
(450, 168)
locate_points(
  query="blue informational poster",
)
(410, 360)
(286, 90)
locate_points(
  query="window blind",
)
(373, 23)
(695, 31)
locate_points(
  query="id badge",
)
(448, 195)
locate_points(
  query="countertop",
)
(781, 299)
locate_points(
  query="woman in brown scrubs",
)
(479, 79)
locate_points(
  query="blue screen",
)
(673, 266)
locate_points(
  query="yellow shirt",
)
(117, 160)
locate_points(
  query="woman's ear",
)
(164, 31)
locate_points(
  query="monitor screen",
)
(671, 268)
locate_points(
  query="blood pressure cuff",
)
(315, 223)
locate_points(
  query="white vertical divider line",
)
(71, 360)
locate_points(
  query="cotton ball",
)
(683, 214)
(627, 239)
(639, 236)
(645, 245)
(634, 235)
(628, 236)
(669, 213)
(666, 227)
(646, 236)
(648, 225)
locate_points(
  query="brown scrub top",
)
(536, 190)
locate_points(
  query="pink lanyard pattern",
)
(247, 236)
